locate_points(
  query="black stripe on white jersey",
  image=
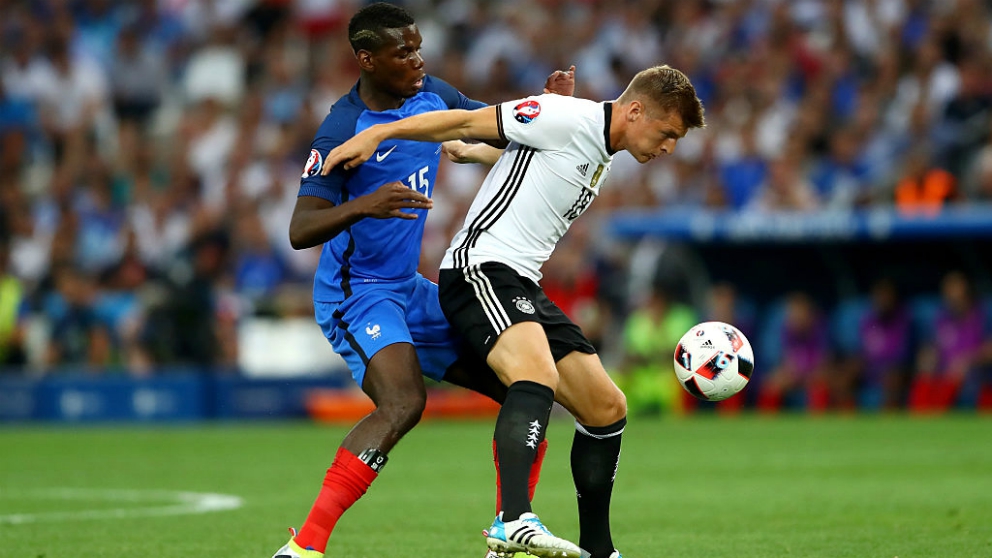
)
(499, 121)
(486, 295)
(497, 206)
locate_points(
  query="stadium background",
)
(151, 152)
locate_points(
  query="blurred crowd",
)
(151, 149)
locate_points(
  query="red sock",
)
(535, 474)
(346, 481)
(535, 469)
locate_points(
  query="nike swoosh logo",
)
(380, 157)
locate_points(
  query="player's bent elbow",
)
(296, 240)
(300, 239)
(297, 244)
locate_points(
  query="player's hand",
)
(561, 82)
(351, 153)
(390, 199)
(456, 150)
(461, 152)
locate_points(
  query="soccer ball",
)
(713, 361)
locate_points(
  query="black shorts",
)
(482, 301)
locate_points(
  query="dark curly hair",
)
(366, 26)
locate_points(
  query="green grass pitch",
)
(713, 487)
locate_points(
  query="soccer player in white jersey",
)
(555, 165)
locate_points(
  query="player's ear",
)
(365, 61)
(634, 110)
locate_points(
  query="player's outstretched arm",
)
(316, 220)
(435, 126)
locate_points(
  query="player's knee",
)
(403, 413)
(615, 406)
(610, 407)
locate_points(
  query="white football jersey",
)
(557, 160)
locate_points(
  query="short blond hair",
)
(667, 89)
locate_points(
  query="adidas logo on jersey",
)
(583, 169)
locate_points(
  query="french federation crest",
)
(314, 163)
(527, 111)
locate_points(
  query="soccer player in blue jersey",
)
(379, 314)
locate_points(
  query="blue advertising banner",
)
(879, 225)
(168, 397)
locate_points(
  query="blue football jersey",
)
(375, 250)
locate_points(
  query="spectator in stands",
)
(119, 304)
(137, 81)
(924, 188)
(100, 237)
(979, 178)
(784, 189)
(841, 178)
(743, 175)
(162, 215)
(13, 309)
(258, 270)
(78, 337)
(18, 124)
(72, 97)
(963, 128)
(923, 92)
(956, 350)
(190, 323)
(649, 338)
(805, 361)
(882, 355)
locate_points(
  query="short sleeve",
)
(335, 130)
(452, 97)
(544, 121)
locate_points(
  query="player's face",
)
(650, 137)
(399, 68)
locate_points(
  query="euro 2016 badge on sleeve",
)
(527, 111)
(314, 162)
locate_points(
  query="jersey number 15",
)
(418, 181)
